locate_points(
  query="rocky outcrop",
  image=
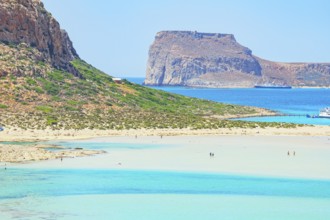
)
(296, 74)
(216, 60)
(28, 22)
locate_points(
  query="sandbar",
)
(261, 155)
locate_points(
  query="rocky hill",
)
(44, 84)
(28, 24)
(217, 60)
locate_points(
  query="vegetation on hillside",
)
(46, 97)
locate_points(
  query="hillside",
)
(60, 100)
(189, 58)
(44, 84)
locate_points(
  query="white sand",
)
(19, 153)
(17, 134)
(252, 155)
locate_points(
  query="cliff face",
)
(27, 22)
(296, 74)
(217, 60)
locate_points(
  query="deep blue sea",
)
(27, 193)
(287, 101)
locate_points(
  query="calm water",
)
(108, 194)
(128, 195)
(288, 101)
(104, 145)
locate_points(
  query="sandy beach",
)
(263, 155)
(11, 153)
(17, 134)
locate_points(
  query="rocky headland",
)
(196, 59)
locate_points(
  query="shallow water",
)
(104, 145)
(164, 207)
(109, 194)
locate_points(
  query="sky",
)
(115, 35)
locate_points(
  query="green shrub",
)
(72, 102)
(45, 109)
(51, 88)
(39, 90)
(56, 76)
(51, 120)
(3, 106)
(31, 82)
(56, 98)
(70, 108)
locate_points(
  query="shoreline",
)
(18, 154)
(20, 135)
(233, 155)
(256, 152)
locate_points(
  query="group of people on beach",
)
(211, 154)
(293, 153)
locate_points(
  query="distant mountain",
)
(44, 84)
(189, 58)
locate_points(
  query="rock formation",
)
(27, 21)
(216, 60)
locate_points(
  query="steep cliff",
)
(217, 60)
(27, 22)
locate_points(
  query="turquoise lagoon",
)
(39, 193)
(109, 194)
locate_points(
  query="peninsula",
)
(190, 58)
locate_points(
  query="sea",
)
(40, 193)
(296, 103)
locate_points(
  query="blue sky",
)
(115, 36)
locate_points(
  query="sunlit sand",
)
(280, 156)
